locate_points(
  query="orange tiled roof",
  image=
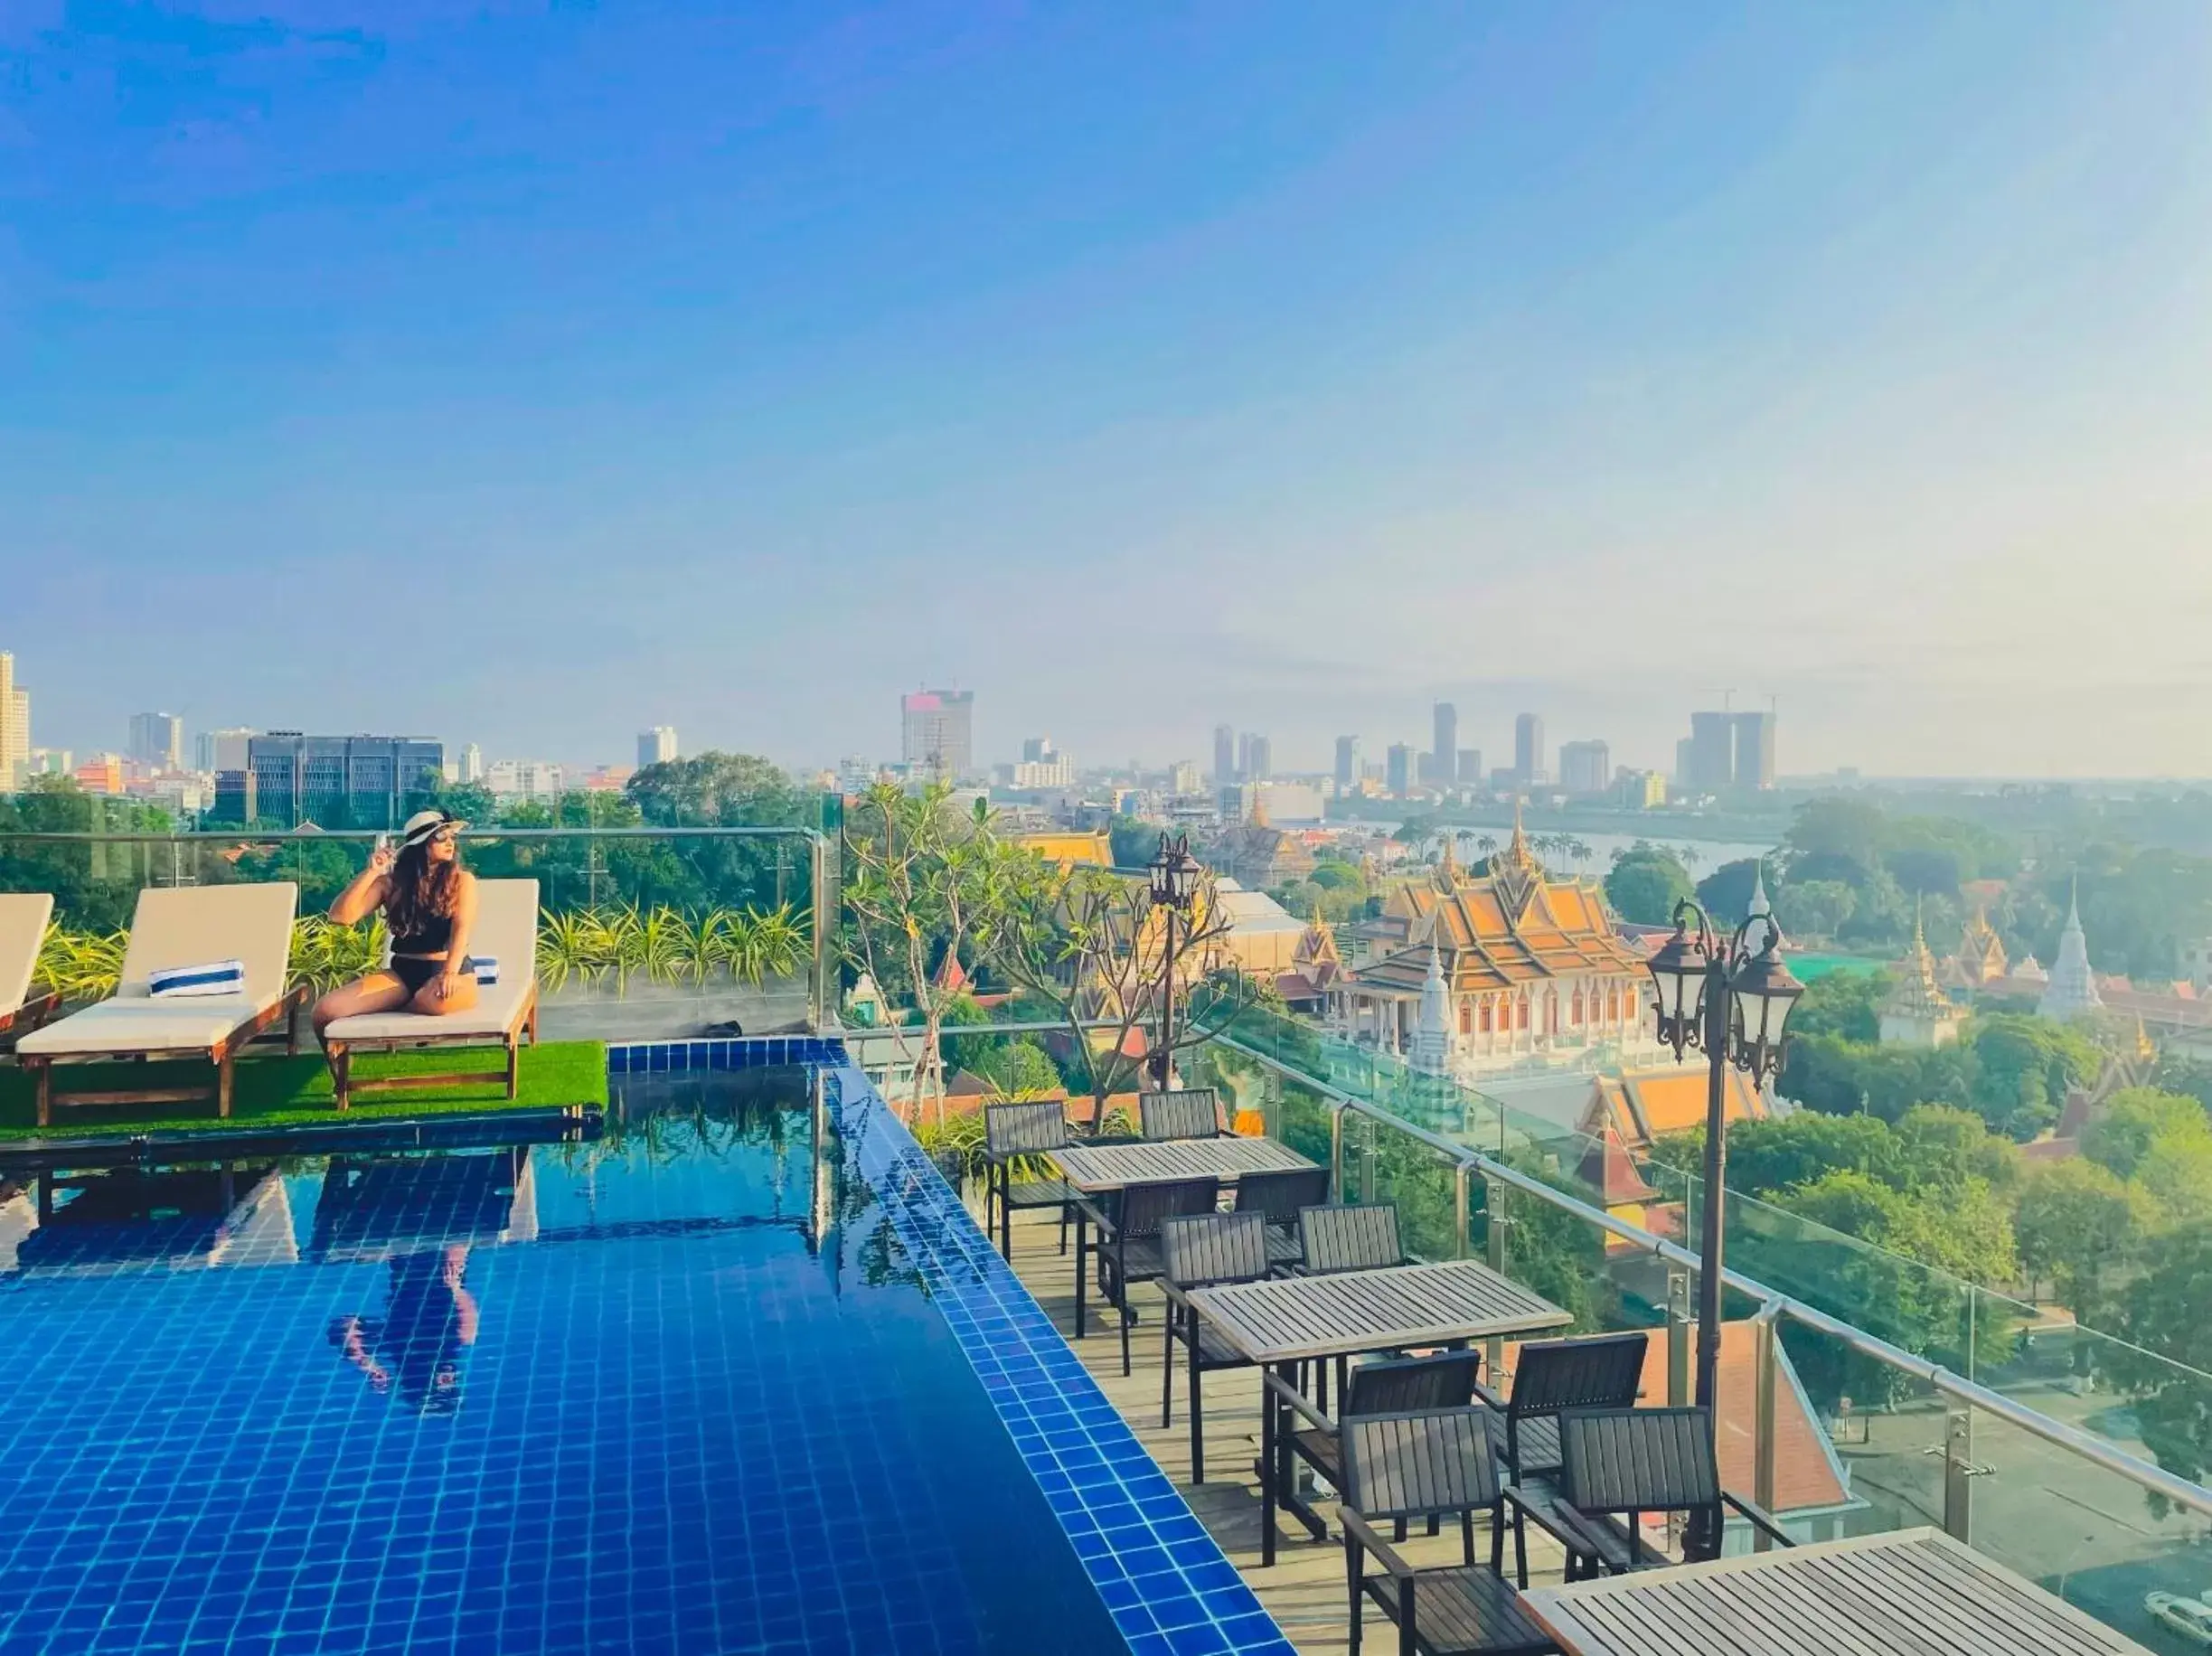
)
(1557, 928)
(1644, 1105)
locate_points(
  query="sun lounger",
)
(181, 925)
(23, 929)
(506, 929)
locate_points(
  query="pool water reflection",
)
(673, 1389)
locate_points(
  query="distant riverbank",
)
(1760, 829)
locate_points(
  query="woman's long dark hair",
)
(421, 889)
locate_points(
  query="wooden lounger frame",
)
(524, 1022)
(222, 1053)
(39, 1009)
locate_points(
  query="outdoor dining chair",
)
(1619, 1466)
(1203, 1250)
(1384, 1385)
(1128, 1243)
(1194, 1113)
(1432, 1464)
(1280, 1197)
(1014, 1134)
(1551, 1377)
(1351, 1237)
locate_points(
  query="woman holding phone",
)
(429, 902)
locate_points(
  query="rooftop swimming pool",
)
(736, 1375)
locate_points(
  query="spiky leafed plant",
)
(326, 955)
(81, 966)
(569, 947)
(659, 944)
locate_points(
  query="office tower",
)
(1710, 763)
(1347, 764)
(1585, 767)
(472, 764)
(1469, 770)
(1398, 769)
(657, 745)
(1037, 749)
(332, 781)
(1257, 765)
(1528, 758)
(1444, 753)
(1182, 777)
(1224, 754)
(938, 735)
(158, 740)
(15, 726)
(223, 749)
(1755, 750)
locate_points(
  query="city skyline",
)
(1488, 367)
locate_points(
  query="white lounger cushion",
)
(177, 926)
(506, 930)
(23, 928)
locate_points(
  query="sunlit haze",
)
(529, 376)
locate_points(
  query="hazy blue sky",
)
(526, 374)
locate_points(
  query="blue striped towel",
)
(216, 977)
(484, 967)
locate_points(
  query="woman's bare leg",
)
(431, 1002)
(379, 991)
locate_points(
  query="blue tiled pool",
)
(735, 1376)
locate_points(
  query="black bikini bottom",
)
(414, 974)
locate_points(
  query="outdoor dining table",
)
(1903, 1594)
(1280, 1323)
(1093, 1170)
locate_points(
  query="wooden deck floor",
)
(1304, 1590)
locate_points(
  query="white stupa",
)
(1432, 1038)
(2072, 987)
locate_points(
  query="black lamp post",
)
(1174, 887)
(1732, 1002)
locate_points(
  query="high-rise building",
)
(1529, 760)
(1755, 750)
(1585, 767)
(1224, 754)
(1041, 765)
(158, 740)
(1710, 763)
(938, 735)
(1640, 790)
(332, 781)
(1182, 777)
(1398, 769)
(51, 762)
(15, 726)
(525, 779)
(220, 750)
(1347, 764)
(657, 745)
(472, 764)
(1469, 770)
(1258, 764)
(1444, 753)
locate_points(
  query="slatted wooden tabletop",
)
(1357, 1312)
(1092, 1168)
(1906, 1594)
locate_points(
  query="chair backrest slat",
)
(1144, 1206)
(1199, 1248)
(1638, 1460)
(1193, 1113)
(1349, 1239)
(1419, 1464)
(1409, 1385)
(1280, 1196)
(1024, 1129)
(1601, 1371)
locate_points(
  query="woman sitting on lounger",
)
(429, 902)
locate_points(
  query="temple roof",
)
(1918, 995)
(1515, 924)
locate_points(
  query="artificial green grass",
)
(277, 1091)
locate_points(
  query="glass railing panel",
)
(1393, 1166)
(1872, 1460)
(2090, 1534)
(643, 933)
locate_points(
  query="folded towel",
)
(216, 977)
(486, 968)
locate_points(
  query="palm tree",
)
(1487, 845)
(1687, 856)
(1580, 851)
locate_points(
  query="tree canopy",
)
(1645, 882)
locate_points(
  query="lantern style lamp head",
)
(1174, 874)
(1678, 970)
(1763, 990)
